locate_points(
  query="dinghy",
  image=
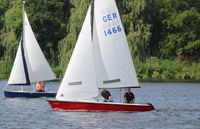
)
(101, 59)
(30, 66)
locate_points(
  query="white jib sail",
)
(38, 67)
(79, 80)
(17, 75)
(113, 62)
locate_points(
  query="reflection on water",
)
(177, 107)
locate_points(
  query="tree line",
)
(163, 29)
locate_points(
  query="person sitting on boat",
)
(40, 87)
(106, 96)
(129, 97)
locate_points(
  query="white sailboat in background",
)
(101, 59)
(30, 65)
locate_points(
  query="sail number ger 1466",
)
(111, 24)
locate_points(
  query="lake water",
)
(177, 106)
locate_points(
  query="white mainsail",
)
(113, 61)
(37, 65)
(79, 82)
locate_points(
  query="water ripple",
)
(177, 107)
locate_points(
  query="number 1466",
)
(112, 30)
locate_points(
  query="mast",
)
(92, 37)
(93, 46)
(22, 49)
(23, 20)
(92, 18)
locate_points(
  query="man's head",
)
(129, 90)
(104, 89)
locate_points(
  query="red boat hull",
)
(98, 106)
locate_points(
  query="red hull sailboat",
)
(98, 106)
(101, 59)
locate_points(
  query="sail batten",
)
(111, 81)
(74, 83)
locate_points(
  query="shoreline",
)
(171, 80)
(145, 80)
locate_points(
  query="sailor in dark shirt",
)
(129, 96)
(106, 96)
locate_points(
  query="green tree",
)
(137, 30)
(48, 19)
(78, 12)
(181, 25)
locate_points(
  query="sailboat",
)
(30, 66)
(101, 59)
